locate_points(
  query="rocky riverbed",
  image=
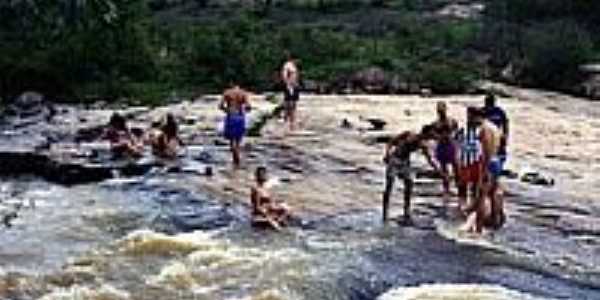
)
(79, 225)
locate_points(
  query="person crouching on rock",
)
(122, 141)
(397, 159)
(264, 210)
(235, 104)
(166, 143)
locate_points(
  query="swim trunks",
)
(496, 166)
(471, 156)
(445, 153)
(399, 168)
(470, 174)
(291, 95)
(235, 127)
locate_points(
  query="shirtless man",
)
(445, 152)
(291, 93)
(479, 154)
(397, 159)
(264, 210)
(235, 103)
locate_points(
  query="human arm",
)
(246, 102)
(505, 131)
(427, 153)
(391, 145)
(224, 101)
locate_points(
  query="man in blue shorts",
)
(497, 116)
(235, 104)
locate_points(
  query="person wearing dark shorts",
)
(291, 93)
(291, 96)
(446, 149)
(398, 165)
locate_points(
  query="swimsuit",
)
(445, 152)
(235, 126)
(399, 162)
(291, 95)
(471, 156)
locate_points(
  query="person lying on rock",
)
(445, 129)
(266, 212)
(122, 141)
(398, 164)
(479, 171)
(235, 103)
(167, 142)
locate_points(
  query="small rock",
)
(537, 179)
(346, 124)
(376, 123)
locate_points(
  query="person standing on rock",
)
(470, 172)
(397, 159)
(445, 129)
(291, 93)
(235, 103)
(479, 154)
(497, 116)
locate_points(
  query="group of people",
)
(475, 154)
(162, 137)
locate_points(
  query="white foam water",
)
(456, 292)
(105, 292)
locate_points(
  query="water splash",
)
(104, 292)
(455, 292)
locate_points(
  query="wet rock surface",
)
(170, 232)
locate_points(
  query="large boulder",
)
(28, 109)
(370, 80)
(591, 87)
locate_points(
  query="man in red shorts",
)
(470, 171)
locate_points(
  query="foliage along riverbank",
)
(149, 51)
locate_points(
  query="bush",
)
(554, 52)
(56, 48)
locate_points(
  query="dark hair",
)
(259, 170)
(427, 129)
(489, 96)
(474, 111)
(117, 121)
(170, 128)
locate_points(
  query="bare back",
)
(490, 138)
(234, 100)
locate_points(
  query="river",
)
(170, 235)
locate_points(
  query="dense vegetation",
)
(146, 50)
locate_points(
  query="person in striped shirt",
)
(479, 169)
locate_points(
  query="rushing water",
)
(145, 238)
